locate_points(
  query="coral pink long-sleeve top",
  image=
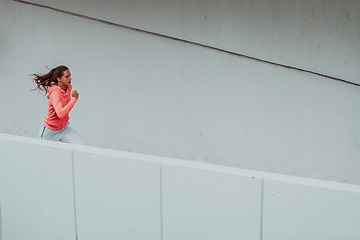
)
(60, 104)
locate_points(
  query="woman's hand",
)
(75, 94)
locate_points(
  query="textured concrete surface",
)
(51, 190)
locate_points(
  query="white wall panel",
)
(36, 192)
(201, 204)
(116, 198)
(293, 211)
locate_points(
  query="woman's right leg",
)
(48, 134)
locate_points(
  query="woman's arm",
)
(61, 111)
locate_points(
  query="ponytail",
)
(45, 81)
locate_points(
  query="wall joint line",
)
(73, 176)
(262, 209)
(161, 203)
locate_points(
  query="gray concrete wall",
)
(321, 36)
(51, 190)
(153, 95)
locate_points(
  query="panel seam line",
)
(73, 176)
(161, 203)
(262, 209)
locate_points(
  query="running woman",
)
(57, 84)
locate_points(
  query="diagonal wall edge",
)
(189, 42)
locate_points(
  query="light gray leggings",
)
(66, 135)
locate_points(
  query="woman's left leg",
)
(69, 135)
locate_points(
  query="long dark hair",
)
(45, 81)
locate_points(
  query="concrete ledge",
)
(304, 212)
(192, 164)
(94, 193)
(203, 204)
(36, 190)
(117, 197)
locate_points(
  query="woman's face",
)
(65, 80)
